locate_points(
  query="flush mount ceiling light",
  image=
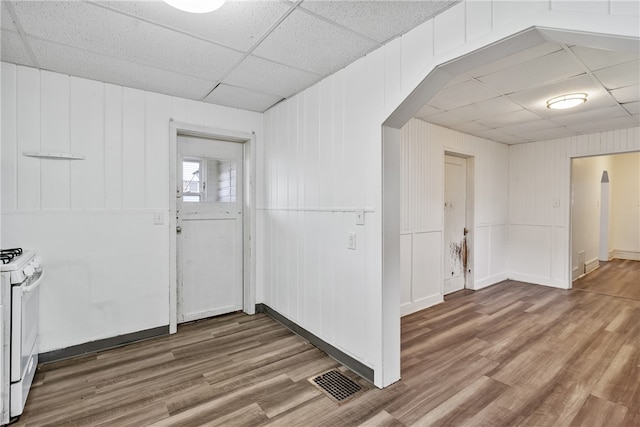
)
(567, 101)
(196, 6)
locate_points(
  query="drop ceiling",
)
(505, 101)
(253, 54)
(248, 54)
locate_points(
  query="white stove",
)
(21, 274)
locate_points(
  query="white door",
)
(209, 226)
(455, 196)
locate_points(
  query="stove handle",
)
(33, 286)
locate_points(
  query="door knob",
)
(178, 229)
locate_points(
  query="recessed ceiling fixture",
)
(567, 101)
(196, 6)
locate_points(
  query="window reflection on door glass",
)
(226, 190)
(209, 180)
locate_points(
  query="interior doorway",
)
(245, 216)
(455, 228)
(209, 227)
(604, 217)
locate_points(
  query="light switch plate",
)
(158, 218)
(351, 242)
(360, 217)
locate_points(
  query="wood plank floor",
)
(513, 354)
(617, 277)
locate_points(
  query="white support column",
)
(604, 217)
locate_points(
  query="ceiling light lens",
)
(567, 101)
(196, 6)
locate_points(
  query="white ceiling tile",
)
(495, 106)
(460, 78)
(12, 49)
(547, 69)
(520, 116)
(108, 69)
(632, 107)
(6, 22)
(499, 136)
(548, 133)
(590, 115)
(516, 59)
(524, 128)
(596, 59)
(465, 93)
(239, 97)
(621, 75)
(627, 94)
(268, 77)
(448, 119)
(604, 125)
(95, 29)
(536, 99)
(380, 20)
(308, 43)
(427, 111)
(237, 24)
(480, 110)
(471, 127)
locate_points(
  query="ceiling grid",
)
(253, 54)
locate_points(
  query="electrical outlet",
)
(351, 242)
(360, 217)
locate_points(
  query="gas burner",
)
(6, 255)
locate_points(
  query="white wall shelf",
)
(54, 156)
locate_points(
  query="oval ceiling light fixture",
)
(567, 101)
(196, 6)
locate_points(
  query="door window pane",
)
(207, 180)
(191, 170)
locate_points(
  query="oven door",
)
(24, 337)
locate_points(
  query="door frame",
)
(469, 272)
(249, 217)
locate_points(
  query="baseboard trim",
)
(100, 345)
(591, 265)
(489, 281)
(620, 254)
(356, 366)
(537, 280)
(421, 304)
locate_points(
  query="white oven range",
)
(22, 274)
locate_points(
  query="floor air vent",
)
(336, 385)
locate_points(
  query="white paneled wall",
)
(321, 160)
(422, 183)
(107, 264)
(539, 202)
(320, 166)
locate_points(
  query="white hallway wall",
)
(322, 160)
(422, 171)
(586, 174)
(539, 197)
(107, 264)
(625, 215)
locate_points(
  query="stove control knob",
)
(36, 263)
(29, 270)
